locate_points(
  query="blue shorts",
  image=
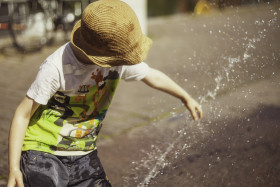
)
(47, 170)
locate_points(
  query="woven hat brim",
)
(107, 58)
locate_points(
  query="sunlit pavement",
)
(229, 62)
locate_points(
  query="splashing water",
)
(156, 160)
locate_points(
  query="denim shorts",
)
(41, 169)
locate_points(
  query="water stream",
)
(226, 77)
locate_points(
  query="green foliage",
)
(167, 7)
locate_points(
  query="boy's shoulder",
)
(62, 56)
(59, 53)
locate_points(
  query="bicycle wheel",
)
(28, 31)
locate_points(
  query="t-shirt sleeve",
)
(45, 85)
(135, 72)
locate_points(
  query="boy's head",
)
(109, 34)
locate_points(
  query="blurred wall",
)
(140, 8)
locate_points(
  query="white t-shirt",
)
(74, 99)
(62, 71)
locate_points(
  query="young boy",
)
(53, 133)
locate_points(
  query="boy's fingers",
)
(194, 117)
(199, 111)
(20, 182)
(195, 110)
(193, 113)
(196, 113)
(11, 183)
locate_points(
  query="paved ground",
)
(229, 61)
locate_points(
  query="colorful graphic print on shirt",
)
(72, 122)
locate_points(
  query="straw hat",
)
(109, 34)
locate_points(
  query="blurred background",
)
(165, 7)
(31, 24)
(225, 53)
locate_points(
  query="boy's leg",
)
(43, 169)
(86, 171)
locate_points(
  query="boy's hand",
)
(193, 107)
(15, 178)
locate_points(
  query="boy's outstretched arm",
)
(17, 132)
(158, 80)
